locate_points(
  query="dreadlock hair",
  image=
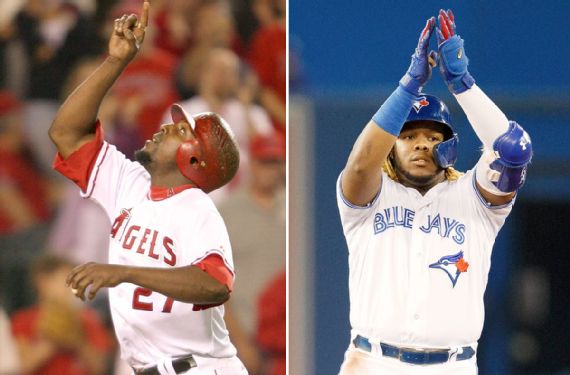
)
(451, 174)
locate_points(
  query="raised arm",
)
(74, 123)
(361, 178)
(507, 148)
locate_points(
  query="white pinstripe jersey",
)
(418, 265)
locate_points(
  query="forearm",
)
(186, 284)
(488, 121)
(77, 115)
(362, 175)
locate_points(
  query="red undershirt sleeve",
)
(215, 266)
(78, 166)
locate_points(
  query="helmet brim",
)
(178, 114)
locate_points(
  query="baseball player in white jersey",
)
(170, 257)
(420, 233)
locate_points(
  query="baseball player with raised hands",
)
(170, 257)
(420, 233)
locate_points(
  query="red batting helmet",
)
(211, 159)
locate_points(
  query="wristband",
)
(394, 112)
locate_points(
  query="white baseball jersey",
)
(418, 265)
(179, 230)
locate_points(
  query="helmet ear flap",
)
(211, 159)
(445, 153)
(189, 158)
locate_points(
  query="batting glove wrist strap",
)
(454, 64)
(410, 84)
(393, 113)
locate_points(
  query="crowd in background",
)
(208, 55)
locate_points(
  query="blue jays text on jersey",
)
(400, 216)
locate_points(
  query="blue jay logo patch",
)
(419, 104)
(452, 265)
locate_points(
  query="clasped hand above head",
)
(450, 56)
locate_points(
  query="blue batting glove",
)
(453, 60)
(419, 72)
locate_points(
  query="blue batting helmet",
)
(431, 108)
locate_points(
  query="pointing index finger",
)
(144, 18)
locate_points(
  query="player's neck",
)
(168, 180)
(421, 185)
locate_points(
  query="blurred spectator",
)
(174, 25)
(85, 6)
(80, 231)
(23, 207)
(213, 28)
(22, 193)
(255, 217)
(267, 55)
(272, 324)
(245, 20)
(8, 10)
(9, 361)
(219, 90)
(58, 335)
(55, 36)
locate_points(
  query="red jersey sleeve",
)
(215, 266)
(78, 166)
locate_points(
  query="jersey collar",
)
(160, 193)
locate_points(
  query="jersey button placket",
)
(413, 262)
(418, 276)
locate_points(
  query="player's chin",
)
(421, 175)
(422, 170)
(143, 156)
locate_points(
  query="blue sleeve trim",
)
(354, 206)
(482, 198)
